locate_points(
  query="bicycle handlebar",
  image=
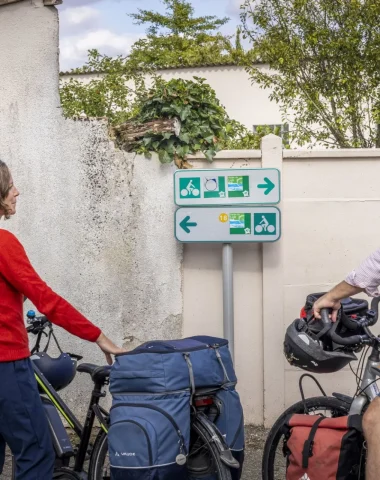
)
(38, 324)
(325, 316)
(345, 341)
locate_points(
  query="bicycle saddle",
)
(98, 373)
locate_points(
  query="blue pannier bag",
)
(153, 388)
(230, 423)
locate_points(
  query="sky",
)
(105, 25)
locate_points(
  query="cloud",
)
(78, 3)
(233, 7)
(73, 49)
(79, 19)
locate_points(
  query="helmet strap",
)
(51, 334)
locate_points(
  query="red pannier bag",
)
(319, 448)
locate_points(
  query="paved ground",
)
(255, 439)
(7, 468)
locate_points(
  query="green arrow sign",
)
(185, 224)
(226, 186)
(227, 224)
(268, 185)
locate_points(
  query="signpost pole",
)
(228, 296)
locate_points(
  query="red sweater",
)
(18, 278)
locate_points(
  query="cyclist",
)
(23, 424)
(264, 222)
(366, 278)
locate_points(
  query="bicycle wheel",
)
(204, 457)
(99, 467)
(203, 460)
(10, 465)
(274, 463)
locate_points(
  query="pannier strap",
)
(191, 374)
(307, 451)
(219, 357)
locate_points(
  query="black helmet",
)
(303, 349)
(59, 371)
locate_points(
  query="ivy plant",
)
(194, 103)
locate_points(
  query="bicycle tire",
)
(274, 439)
(96, 468)
(216, 467)
(98, 457)
(13, 467)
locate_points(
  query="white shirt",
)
(367, 275)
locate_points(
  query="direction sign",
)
(247, 186)
(227, 224)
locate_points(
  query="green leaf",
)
(184, 137)
(209, 154)
(184, 114)
(164, 156)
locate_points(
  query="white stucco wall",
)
(94, 221)
(243, 100)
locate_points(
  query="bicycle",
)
(208, 452)
(274, 460)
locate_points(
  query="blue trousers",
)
(23, 423)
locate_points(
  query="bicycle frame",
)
(368, 384)
(82, 431)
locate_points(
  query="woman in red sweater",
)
(23, 424)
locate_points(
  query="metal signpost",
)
(215, 208)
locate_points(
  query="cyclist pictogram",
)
(265, 224)
(190, 187)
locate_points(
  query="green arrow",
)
(185, 224)
(268, 185)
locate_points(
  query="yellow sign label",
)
(223, 217)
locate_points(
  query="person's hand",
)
(326, 302)
(108, 347)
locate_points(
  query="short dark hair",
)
(5, 178)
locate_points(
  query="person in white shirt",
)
(366, 278)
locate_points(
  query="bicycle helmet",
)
(303, 349)
(59, 371)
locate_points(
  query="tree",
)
(178, 38)
(240, 138)
(324, 59)
(112, 95)
(175, 38)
